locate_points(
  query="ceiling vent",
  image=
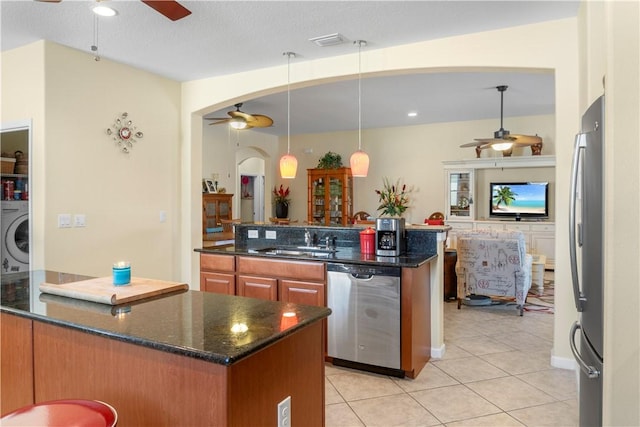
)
(328, 40)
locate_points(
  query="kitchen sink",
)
(299, 251)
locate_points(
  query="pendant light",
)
(359, 160)
(288, 162)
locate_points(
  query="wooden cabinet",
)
(299, 282)
(214, 208)
(330, 196)
(258, 287)
(298, 292)
(289, 281)
(217, 274)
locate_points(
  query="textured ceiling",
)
(224, 37)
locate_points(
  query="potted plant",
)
(281, 197)
(330, 160)
(393, 199)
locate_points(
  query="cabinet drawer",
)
(489, 226)
(519, 227)
(258, 287)
(217, 262)
(543, 227)
(302, 270)
(459, 225)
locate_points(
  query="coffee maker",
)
(391, 239)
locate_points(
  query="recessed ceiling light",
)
(328, 40)
(104, 11)
(412, 114)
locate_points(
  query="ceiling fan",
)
(503, 140)
(169, 8)
(241, 120)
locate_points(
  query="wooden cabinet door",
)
(258, 287)
(302, 292)
(220, 283)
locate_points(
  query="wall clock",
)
(124, 132)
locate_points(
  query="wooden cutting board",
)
(102, 290)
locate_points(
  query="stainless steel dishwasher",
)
(364, 327)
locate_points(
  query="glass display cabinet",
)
(330, 196)
(459, 194)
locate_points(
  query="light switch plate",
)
(64, 220)
(79, 220)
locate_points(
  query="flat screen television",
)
(519, 199)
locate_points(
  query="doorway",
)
(15, 144)
(252, 189)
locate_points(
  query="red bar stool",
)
(65, 412)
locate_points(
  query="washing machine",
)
(15, 236)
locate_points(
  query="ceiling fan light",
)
(104, 10)
(359, 164)
(238, 123)
(288, 166)
(502, 146)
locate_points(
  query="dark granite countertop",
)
(218, 328)
(342, 255)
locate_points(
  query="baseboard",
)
(437, 353)
(564, 363)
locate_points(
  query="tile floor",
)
(495, 372)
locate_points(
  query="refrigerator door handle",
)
(590, 371)
(580, 144)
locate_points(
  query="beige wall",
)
(610, 47)
(77, 169)
(547, 47)
(413, 154)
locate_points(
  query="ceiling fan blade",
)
(482, 142)
(525, 139)
(171, 9)
(219, 121)
(260, 121)
(247, 117)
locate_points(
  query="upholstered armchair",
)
(493, 263)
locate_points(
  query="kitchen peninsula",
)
(274, 262)
(187, 358)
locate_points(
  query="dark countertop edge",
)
(170, 348)
(418, 227)
(414, 260)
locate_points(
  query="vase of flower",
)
(393, 198)
(282, 210)
(281, 199)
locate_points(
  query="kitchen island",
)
(187, 358)
(255, 266)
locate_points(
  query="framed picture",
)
(211, 188)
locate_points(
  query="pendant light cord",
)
(360, 44)
(360, 95)
(289, 55)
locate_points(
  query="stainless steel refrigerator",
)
(587, 260)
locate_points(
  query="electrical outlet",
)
(284, 413)
(163, 216)
(79, 220)
(64, 220)
(252, 234)
(270, 234)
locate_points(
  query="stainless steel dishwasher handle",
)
(360, 276)
(590, 371)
